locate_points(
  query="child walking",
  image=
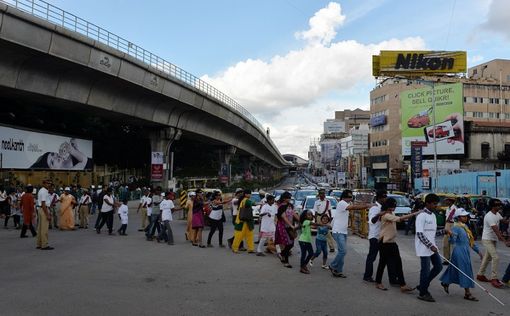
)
(123, 215)
(321, 241)
(267, 224)
(305, 240)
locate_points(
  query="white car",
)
(255, 198)
(309, 202)
(300, 196)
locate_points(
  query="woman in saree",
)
(67, 203)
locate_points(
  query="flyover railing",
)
(55, 15)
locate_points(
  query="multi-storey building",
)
(486, 101)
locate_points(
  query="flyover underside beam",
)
(86, 71)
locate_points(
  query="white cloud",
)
(498, 17)
(323, 25)
(298, 81)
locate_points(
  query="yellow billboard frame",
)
(392, 63)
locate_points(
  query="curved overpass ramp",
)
(75, 63)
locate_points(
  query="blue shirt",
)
(322, 231)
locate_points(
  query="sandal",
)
(407, 289)
(287, 266)
(381, 287)
(445, 287)
(470, 297)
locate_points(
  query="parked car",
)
(255, 198)
(336, 193)
(403, 206)
(309, 202)
(300, 196)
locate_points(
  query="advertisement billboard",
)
(332, 126)
(157, 170)
(23, 149)
(331, 151)
(417, 119)
(392, 63)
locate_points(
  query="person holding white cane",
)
(462, 240)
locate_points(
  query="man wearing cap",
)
(27, 203)
(107, 212)
(450, 215)
(43, 200)
(323, 206)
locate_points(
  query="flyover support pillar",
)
(225, 172)
(162, 157)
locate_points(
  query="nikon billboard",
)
(391, 63)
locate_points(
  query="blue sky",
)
(293, 63)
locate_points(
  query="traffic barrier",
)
(183, 198)
(358, 222)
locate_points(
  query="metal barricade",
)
(358, 222)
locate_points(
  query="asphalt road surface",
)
(91, 274)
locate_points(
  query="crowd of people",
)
(280, 227)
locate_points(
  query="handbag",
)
(246, 214)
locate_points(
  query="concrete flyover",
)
(46, 60)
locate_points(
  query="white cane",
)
(484, 289)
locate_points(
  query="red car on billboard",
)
(440, 132)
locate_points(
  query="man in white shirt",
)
(323, 206)
(43, 201)
(374, 227)
(490, 236)
(425, 245)
(106, 212)
(167, 207)
(340, 224)
(154, 224)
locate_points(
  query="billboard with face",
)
(417, 121)
(23, 149)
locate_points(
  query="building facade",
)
(486, 104)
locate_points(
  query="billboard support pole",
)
(434, 133)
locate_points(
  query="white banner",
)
(22, 149)
(157, 158)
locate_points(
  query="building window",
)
(481, 100)
(465, 99)
(485, 150)
(507, 148)
(475, 100)
(491, 114)
(507, 115)
(478, 114)
(507, 101)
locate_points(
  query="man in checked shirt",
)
(425, 245)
